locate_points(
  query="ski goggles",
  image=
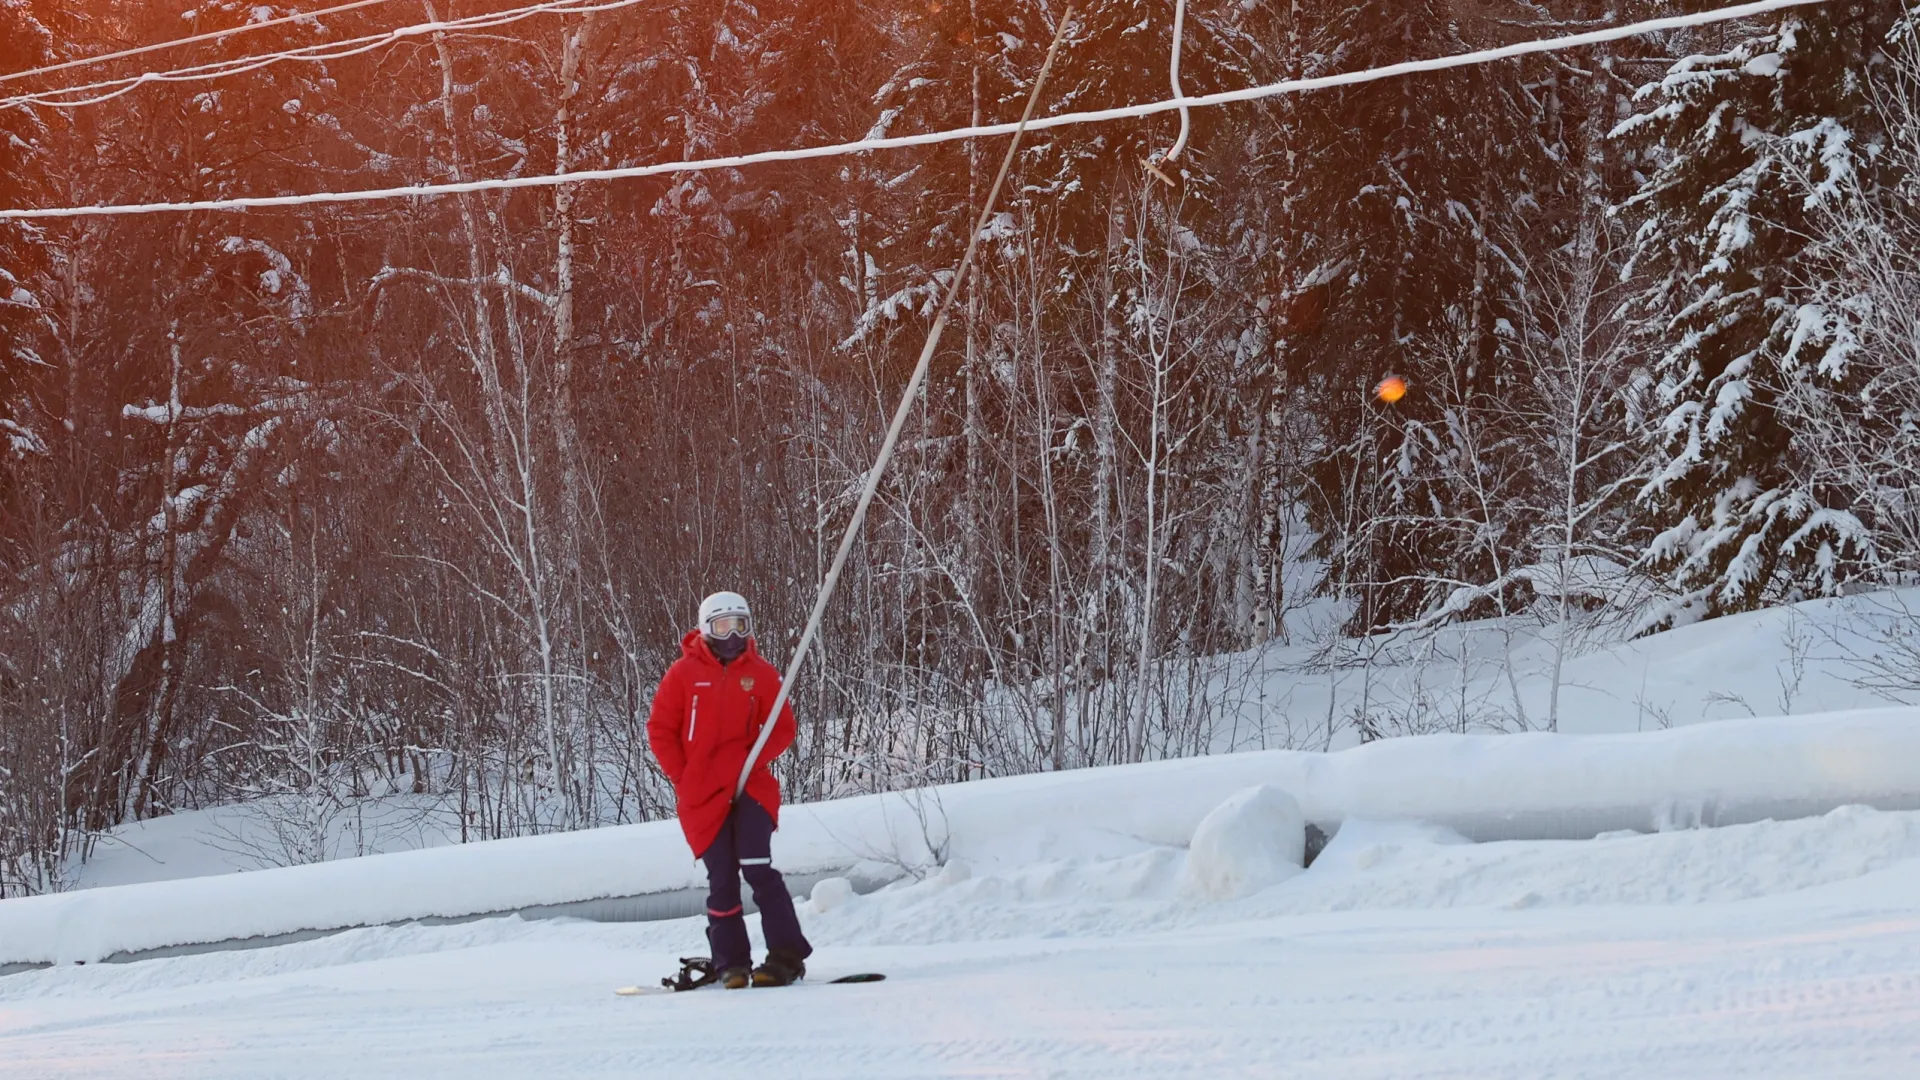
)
(729, 626)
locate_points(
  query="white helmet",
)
(725, 615)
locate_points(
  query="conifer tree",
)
(24, 43)
(1723, 231)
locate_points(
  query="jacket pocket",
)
(693, 717)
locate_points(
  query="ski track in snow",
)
(1773, 950)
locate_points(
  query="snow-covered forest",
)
(417, 495)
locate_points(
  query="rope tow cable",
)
(904, 410)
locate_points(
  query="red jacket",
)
(705, 719)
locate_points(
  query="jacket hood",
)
(693, 646)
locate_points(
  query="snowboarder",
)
(706, 715)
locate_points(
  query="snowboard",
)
(697, 972)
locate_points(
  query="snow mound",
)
(830, 893)
(1254, 839)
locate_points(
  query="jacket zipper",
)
(693, 721)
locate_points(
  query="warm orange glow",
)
(1391, 389)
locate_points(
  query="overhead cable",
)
(109, 89)
(1251, 93)
(216, 35)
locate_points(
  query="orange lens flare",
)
(1391, 389)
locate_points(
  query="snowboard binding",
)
(695, 972)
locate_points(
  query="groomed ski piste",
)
(1128, 921)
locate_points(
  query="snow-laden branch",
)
(497, 281)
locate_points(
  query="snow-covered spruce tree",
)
(1853, 361)
(1724, 233)
(24, 42)
(31, 824)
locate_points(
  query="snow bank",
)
(242, 837)
(1484, 787)
(1853, 861)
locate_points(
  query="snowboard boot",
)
(736, 978)
(781, 969)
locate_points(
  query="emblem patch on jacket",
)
(746, 683)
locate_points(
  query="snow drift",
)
(1534, 786)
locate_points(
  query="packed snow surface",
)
(1769, 950)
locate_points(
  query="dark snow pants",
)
(744, 848)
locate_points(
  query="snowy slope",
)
(1774, 950)
(1818, 656)
(1485, 787)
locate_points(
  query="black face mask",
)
(727, 650)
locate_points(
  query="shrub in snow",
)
(1254, 839)
(830, 893)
